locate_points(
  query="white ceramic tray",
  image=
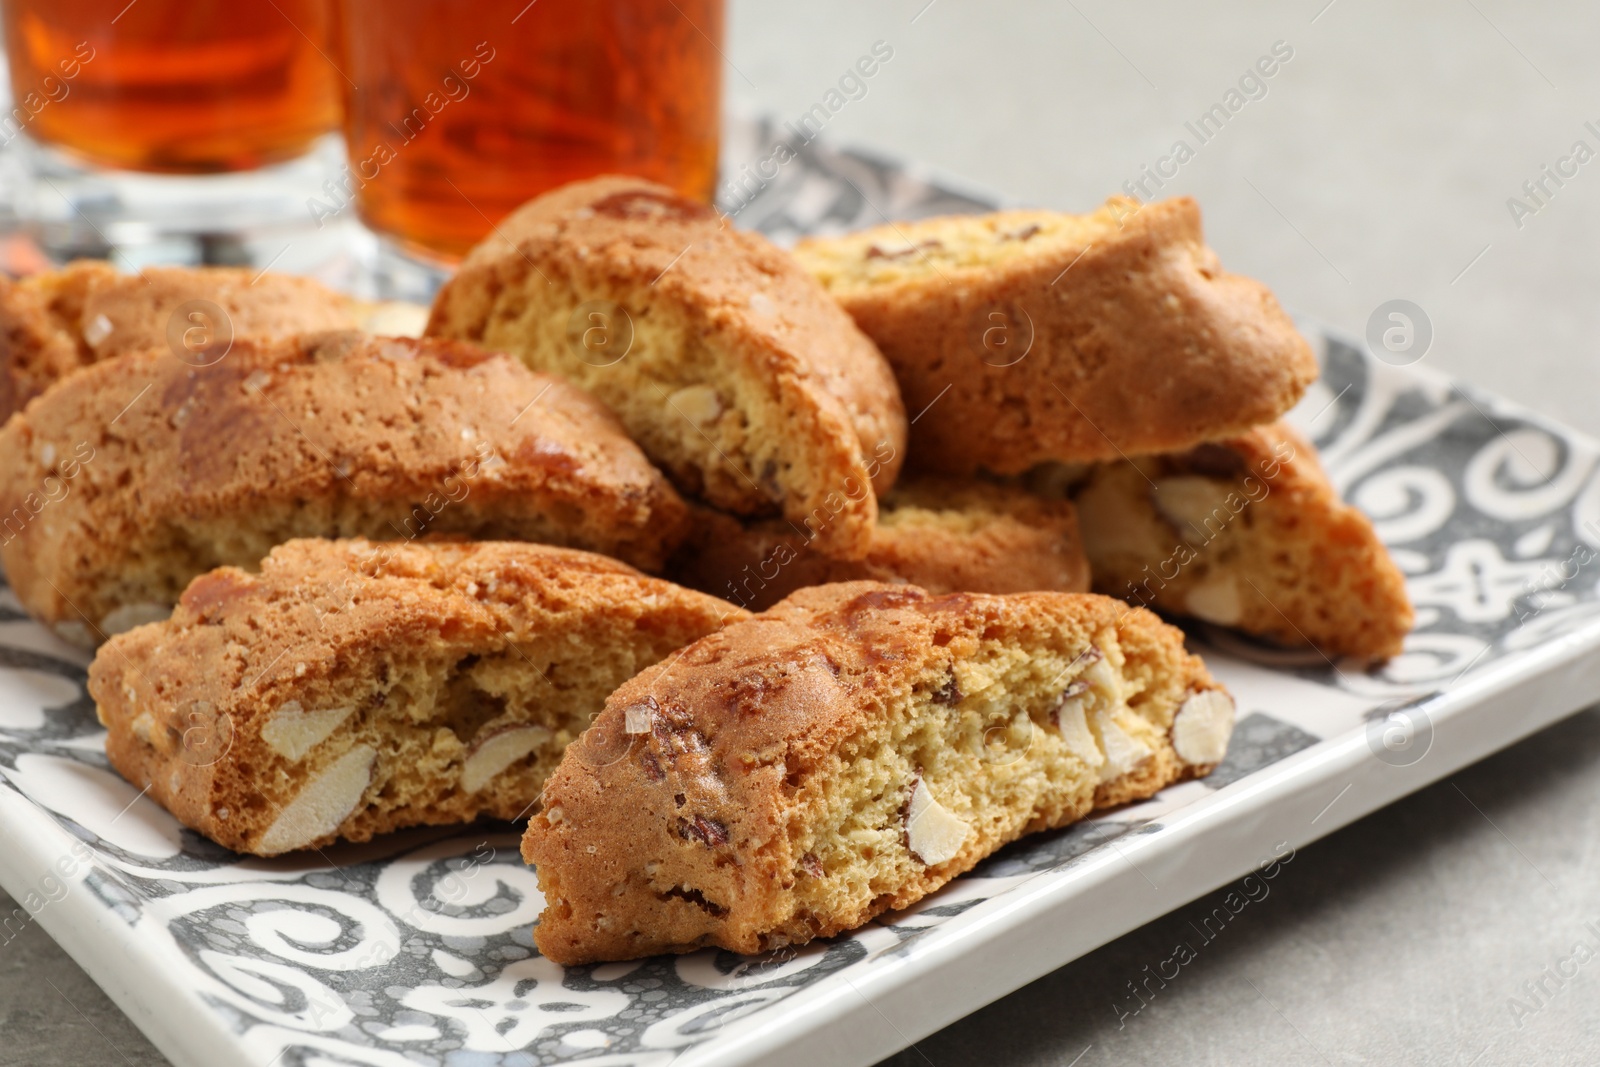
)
(416, 949)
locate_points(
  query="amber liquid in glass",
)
(179, 86)
(461, 112)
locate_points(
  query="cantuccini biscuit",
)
(944, 535)
(1248, 533)
(728, 364)
(1029, 336)
(133, 475)
(53, 323)
(356, 687)
(848, 752)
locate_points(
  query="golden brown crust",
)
(133, 475)
(1140, 341)
(696, 828)
(39, 332)
(1249, 533)
(943, 535)
(53, 323)
(189, 702)
(745, 382)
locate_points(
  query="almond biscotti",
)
(1029, 336)
(850, 751)
(944, 535)
(727, 363)
(356, 687)
(1248, 533)
(133, 475)
(54, 323)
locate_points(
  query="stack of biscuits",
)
(757, 581)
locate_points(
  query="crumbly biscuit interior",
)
(1013, 738)
(909, 518)
(455, 730)
(1234, 551)
(184, 546)
(921, 504)
(1139, 524)
(718, 433)
(921, 250)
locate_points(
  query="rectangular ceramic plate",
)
(416, 949)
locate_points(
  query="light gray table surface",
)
(1378, 164)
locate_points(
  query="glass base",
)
(55, 208)
(72, 209)
(401, 272)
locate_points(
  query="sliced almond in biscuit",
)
(1201, 729)
(1197, 507)
(700, 404)
(293, 731)
(493, 754)
(1124, 752)
(933, 833)
(1073, 723)
(1216, 600)
(319, 808)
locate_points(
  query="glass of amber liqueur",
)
(455, 114)
(188, 131)
(202, 131)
